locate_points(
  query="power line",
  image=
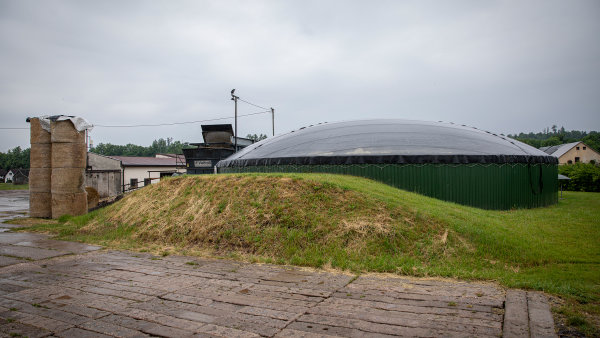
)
(271, 110)
(160, 124)
(175, 123)
(252, 104)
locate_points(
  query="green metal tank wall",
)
(486, 186)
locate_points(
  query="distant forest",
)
(552, 136)
(160, 146)
(14, 159)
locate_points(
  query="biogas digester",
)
(450, 162)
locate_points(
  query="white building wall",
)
(146, 172)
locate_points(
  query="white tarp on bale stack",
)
(59, 173)
(79, 123)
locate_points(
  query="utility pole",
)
(235, 98)
(273, 119)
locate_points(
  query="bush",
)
(584, 177)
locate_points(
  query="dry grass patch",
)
(283, 219)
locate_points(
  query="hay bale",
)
(69, 204)
(68, 155)
(37, 133)
(39, 179)
(40, 159)
(93, 198)
(40, 155)
(65, 132)
(40, 204)
(67, 180)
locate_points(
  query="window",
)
(133, 183)
(577, 148)
(147, 181)
(584, 148)
(576, 159)
(569, 162)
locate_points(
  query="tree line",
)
(160, 146)
(583, 177)
(19, 158)
(553, 136)
(15, 158)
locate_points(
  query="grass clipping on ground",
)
(287, 219)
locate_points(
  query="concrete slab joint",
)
(541, 323)
(527, 314)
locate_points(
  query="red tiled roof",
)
(180, 156)
(135, 161)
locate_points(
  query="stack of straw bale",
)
(68, 169)
(40, 201)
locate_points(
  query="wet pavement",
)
(19, 247)
(66, 289)
(13, 203)
(123, 294)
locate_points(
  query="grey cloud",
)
(500, 65)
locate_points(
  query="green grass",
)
(10, 186)
(360, 225)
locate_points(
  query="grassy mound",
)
(360, 225)
(277, 218)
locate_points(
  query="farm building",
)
(219, 143)
(111, 175)
(574, 152)
(21, 176)
(16, 176)
(450, 162)
(8, 177)
(141, 171)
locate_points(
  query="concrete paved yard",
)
(65, 289)
(132, 295)
(13, 203)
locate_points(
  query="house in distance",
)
(575, 152)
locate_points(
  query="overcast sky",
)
(503, 66)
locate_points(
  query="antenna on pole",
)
(234, 99)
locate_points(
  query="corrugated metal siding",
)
(489, 186)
